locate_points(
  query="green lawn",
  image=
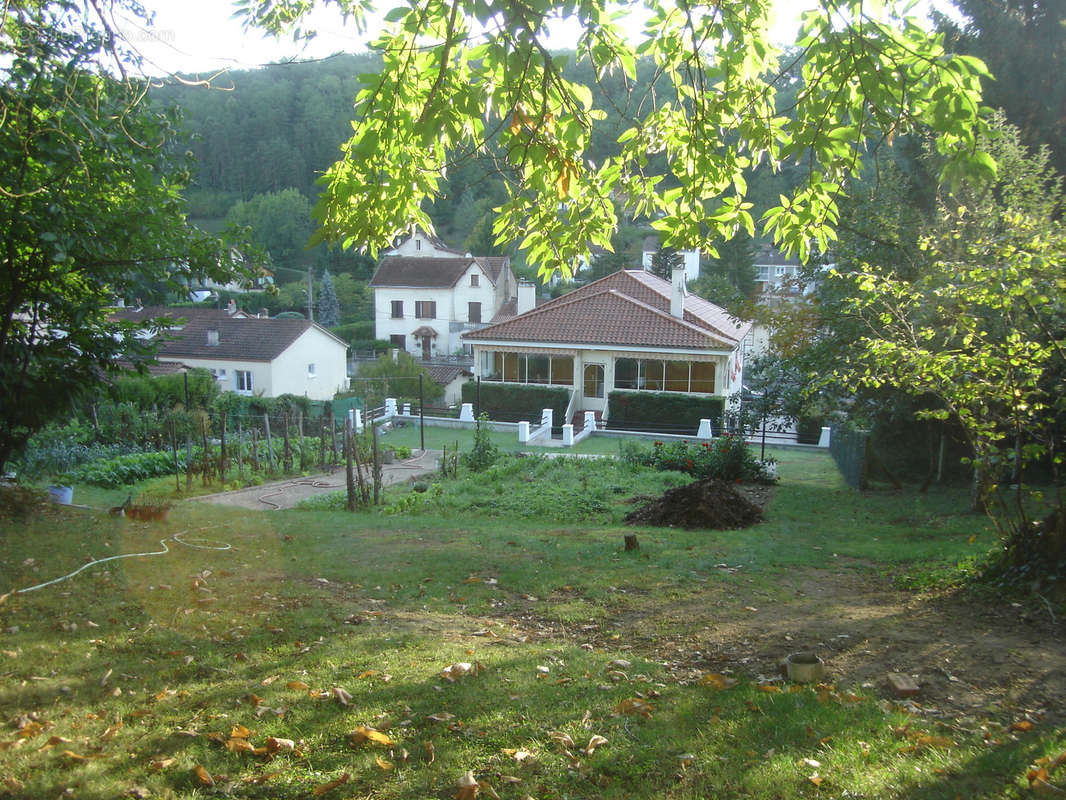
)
(126, 678)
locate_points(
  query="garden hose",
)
(199, 544)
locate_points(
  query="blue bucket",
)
(63, 495)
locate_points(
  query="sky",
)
(200, 36)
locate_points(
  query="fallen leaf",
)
(454, 671)
(431, 751)
(769, 688)
(816, 779)
(1022, 725)
(329, 787)
(203, 776)
(468, 786)
(275, 745)
(239, 746)
(53, 741)
(594, 742)
(297, 685)
(78, 757)
(161, 764)
(365, 734)
(267, 776)
(563, 739)
(634, 705)
(239, 732)
(443, 716)
(717, 681)
(368, 673)
(269, 680)
(810, 762)
(341, 696)
(385, 765)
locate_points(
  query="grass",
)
(119, 679)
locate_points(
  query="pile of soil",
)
(708, 503)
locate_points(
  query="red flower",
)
(657, 444)
(689, 463)
(737, 480)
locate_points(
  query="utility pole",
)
(310, 297)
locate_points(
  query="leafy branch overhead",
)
(468, 78)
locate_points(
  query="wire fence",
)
(850, 449)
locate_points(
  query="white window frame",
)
(242, 379)
(311, 370)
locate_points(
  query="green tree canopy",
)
(91, 212)
(467, 77)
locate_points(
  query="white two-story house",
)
(426, 295)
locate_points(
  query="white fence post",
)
(823, 440)
(466, 413)
(568, 435)
(523, 432)
(390, 407)
(590, 420)
(546, 417)
(407, 409)
(705, 430)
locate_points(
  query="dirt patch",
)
(707, 503)
(973, 657)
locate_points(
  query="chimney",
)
(231, 307)
(262, 314)
(212, 338)
(677, 295)
(527, 297)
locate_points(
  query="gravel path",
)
(287, 493)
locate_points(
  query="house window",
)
(311, 370)
(518, 368)
(244, 380)
(399, 341)
(779, 271)
(397, 309)
(418, 244)
(475, 280)
(670, 376)
(474, 312)
(426, 309)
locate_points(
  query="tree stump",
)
(631, 542)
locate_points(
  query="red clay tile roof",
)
(432, 273)
(239, 339)
(629, 308)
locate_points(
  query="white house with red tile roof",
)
(427, 294)
(249, 355)
(630, 330)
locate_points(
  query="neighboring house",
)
(774, 271)
(691, 257)
(452, 379)
(252, 355)
(630, 330)
(426, 295)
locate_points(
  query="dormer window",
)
(212, 338)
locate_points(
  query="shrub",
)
(484, 453)
(513, 401)
(726, 458)
(663, 411)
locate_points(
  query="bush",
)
(513, 401)
(113, 473)
(484, 453)
(668, 412)
(727, 458)
(354, 331)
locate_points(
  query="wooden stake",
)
(270, 444)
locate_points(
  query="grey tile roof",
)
(433, 273)
(239, 339)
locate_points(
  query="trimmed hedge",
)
(354, 331)
(665, 412)
(511, 402)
